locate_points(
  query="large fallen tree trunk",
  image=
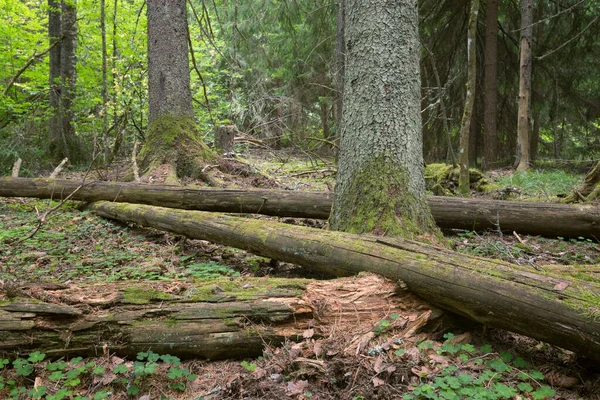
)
(545, 219)
(555, 308)
(216, 319)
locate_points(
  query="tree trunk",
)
(104, 145)
(340, 61)
(490, 140)
(224, 138)
(523, 156)
(449, 212)
(221, 318)
(555, 308)
(68, 71)
(172, 139)
(58, 148)
(465, 126)
(380, 186)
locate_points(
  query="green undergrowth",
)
(463, 371)
(79, 246)
(540, 185)
(528, 250)
(93, 379)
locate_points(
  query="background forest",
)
(271, 69)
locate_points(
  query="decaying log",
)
(554, 308)
(545, 219)
(222, 318)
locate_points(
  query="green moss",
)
(136, 295)
(378, 201)
(174, 140)
(441, 179)
(215, 290)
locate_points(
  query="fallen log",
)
(545, 219)
(558, 309)
(214, 319)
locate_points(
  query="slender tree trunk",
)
(340, 54)
(490, 140)
(465, 128)
(68, 66)
(104, 146)
(524, 114)
(380, 186)
(57, 144)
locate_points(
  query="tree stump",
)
(224, 138)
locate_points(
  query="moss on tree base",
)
(173, 144)
(379, 202)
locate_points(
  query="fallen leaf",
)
(378, 382)
(294, 388)
(307, 334)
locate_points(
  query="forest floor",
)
(75, 247)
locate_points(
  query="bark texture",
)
(173, 145)
(449, 212)
(490, 141)
(380, 186)
(221, 318)
(555, 308)
(68, 70)
(168, 63)
(56, 139)
(523, 157)
(465, 126)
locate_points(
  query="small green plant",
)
(250, 367)
(502, 375)
(209, 270)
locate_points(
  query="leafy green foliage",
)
(501, 379)
(70, 379)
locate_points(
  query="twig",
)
(316, 171)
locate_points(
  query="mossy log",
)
(559, 309)
(214, 319)
(545, 219)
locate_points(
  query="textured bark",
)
(523, 157)
(168, 64)
(340, 60)
(449, 212)
(198, 320)
(57, 144)
(554, 308)
(490, 140)
(104, 145)
(465, 126)
(224, 138)
(380, 186)
(172, 139)
(68, 72)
